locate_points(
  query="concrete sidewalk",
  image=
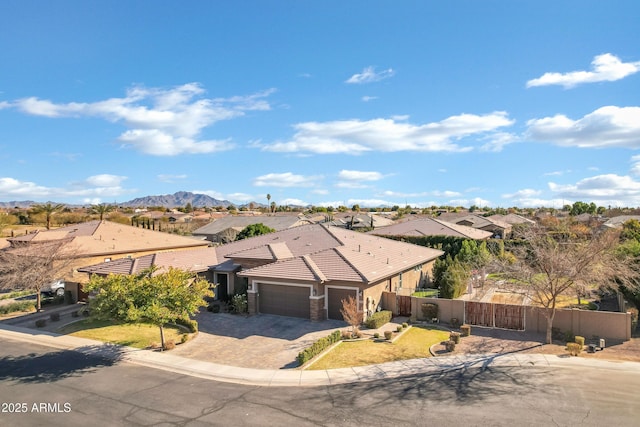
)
(295, 377)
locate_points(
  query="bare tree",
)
(350, 314)
(33, 266)
(550, 265)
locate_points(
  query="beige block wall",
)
(586, 323)
(447, 308)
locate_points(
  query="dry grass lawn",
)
(138, 335)
(413, 344)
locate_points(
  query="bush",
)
(388, 335)
(465, 330)
(376, 335)
(378, 319)
(450, 345)
(184, 338)
(574, 348)
(239, 304)
(214, 308)
(568, 336)
(345, 335)
(634, 318)
(75, 313)
(455, 322)
(579, 340)
(17, 306)
(455, 337)
(169, 345)
(41, 323)
(318, 347)
(54, 317)
(399, 328)
(191, 325)
(405, 325)
(429, 310)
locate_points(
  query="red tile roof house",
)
(304, 271)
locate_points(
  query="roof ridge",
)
(314, 268)
(341, 255)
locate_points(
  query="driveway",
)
(260, 341)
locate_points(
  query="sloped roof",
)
(618, 221)
(278, 223)
(431, 227)
(479, 221)
(105, 237)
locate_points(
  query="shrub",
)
(184, 338)
(378, 319)
(399, 328)
(450, 345)
(318, 347)
(568, 336)
(465, 330)
(634, 318)
(345, 335)
(358, 334)
(75, 313)
(240, 304)
(557, 334)
(214, 308)
(388, 335)
(455, 337)
(429, 310)
(169, 345)
(54, 317)
(405, 325)
(579, 340)
(190, 324)
(17, 306)
(455, 322)
(376, 335)
(40, 323)
(574, 348)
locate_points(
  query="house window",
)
(400, 281)
(107, 260)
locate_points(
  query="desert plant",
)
(405, 325)
(568, 336)
(54, 317)
(455, 337)
(574, 348)
(388, 335)
(465, 330)
(169, 345)
(376, 335)
(450, 345)
(184, 338)
(579, 340)
(399, 328)
(378, 319)
(429, 310)
(17, 306)
(346, 335)
(455, 322)
(41, 323)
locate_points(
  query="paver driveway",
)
(259, 341)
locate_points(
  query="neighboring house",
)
(618, 221)
(357, 221)
(498, 228)
(99, 241)
(225, 230)
(513, 219)
(304, 271)
(431, 227)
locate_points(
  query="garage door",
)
(283, 300)
(334, 301)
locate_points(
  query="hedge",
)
(318, 347)
(378, 319)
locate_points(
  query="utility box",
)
(592, 348)
(601, 343)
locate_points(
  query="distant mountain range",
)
(179, 199)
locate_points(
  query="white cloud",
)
(387, 135)
(161, 122)
(320, 191)
(241, 197)
(211, 193)
(608, 189)
(520, 194)
(608, 126)
(606, 67)
(370, 203)
(477, 201)
(4, 104)
(635, 165)
(351, 175)
(293, 202)
(286, 179)
(171, 178)
(95, 187)
(555, 173)
(497, 141)
(436, 193)
(369, 75)
(369, 98)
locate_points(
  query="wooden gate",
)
(509, 316)
(479, 313)
(404, 305)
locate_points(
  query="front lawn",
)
(138, 335)
(413, 344)
(426, 293)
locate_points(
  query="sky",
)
(377, 103)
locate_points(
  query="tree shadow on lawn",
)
(57, 365)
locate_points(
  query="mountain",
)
(15, 204)
(179, 199)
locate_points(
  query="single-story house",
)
(225, 230)
(431, 227)
(304, 271)
(498, 228)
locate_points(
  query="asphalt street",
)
(41, 386)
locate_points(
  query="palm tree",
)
(48, 209)
(101, 210)
(268, 200)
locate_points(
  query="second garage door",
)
(334, 301)
(283, 300)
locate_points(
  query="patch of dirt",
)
(507, 298)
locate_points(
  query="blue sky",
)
(487, 103)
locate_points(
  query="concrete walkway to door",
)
(260, 341)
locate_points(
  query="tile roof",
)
(240, 222)
(431, 227)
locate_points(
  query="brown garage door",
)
(283, 300)
(334, 301)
